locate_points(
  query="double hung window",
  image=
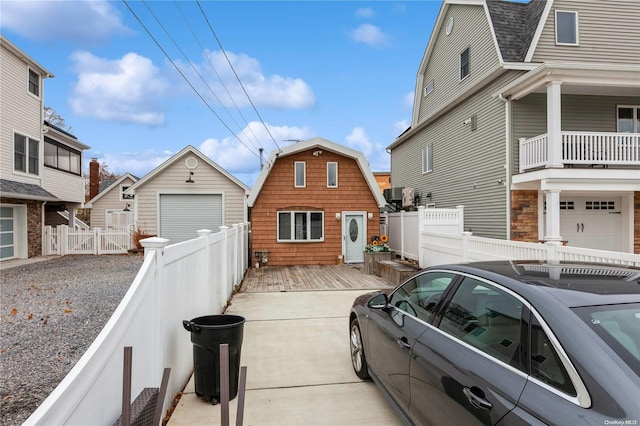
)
(332, 175)
(300, 179)
(26, 154)
(34, 83)
(566, 28)
(464, 64)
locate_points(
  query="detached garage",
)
(182, 215)
(186, 193)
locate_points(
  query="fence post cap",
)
(154, 243)
(204, 232)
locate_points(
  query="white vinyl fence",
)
(435, 236)
(63, 240)
(176, 282)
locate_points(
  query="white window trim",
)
(429, 88)
(468, 48)
(26, 172)
(428, 151)
(304, 174)
(39, 95)
(328, 185)
(124, 197)
(293, 240)
(577, 20)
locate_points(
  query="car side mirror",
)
(379, 301)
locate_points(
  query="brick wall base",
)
(524, 216)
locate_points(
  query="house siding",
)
(609, 32)
(278, 194)
(456, 178)
(586, 113)
(110, 200)
(444, 64)
(21, 112)
(65, 186)
(172, 181)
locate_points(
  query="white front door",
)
(354, 237)
(592, 222)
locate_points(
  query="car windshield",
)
(619, 327)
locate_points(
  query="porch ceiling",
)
(589, 180)
(577, 78)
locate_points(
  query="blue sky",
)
(343, 71)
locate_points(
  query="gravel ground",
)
(50, 312)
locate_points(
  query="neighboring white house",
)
(112, 208)
(186, 193)
(40, 164)
(528, 114)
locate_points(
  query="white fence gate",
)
(63, 240)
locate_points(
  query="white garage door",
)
(592, 222)
(181, 215)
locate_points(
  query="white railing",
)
(591, 148)
(175, 283)
(438, 248)
(63, 240)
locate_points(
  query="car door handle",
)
(403, 343)
(477, 399)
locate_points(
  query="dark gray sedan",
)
(508, 342)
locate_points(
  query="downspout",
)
(507, 165)
(42, 241)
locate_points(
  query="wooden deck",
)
(309, 278)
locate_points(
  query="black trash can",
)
(207, 334)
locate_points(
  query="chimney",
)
(94, 178)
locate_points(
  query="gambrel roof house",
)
(40, 164)
(528, 114)
(314, 202)
(186, 193)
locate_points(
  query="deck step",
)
(395, 272)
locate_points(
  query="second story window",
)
(26, 154)
(464, 64)
(427, 159)
(60, 157)
(34, 83)
(566, 28)
(332, 175)
(300, 174)
(629, 119)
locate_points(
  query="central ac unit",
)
(407, 197)
(396, 193)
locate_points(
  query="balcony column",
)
(554, 123)
(552, 224)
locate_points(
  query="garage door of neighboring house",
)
(182, 215)
(7, 249)
(13, 232)
(592, 222)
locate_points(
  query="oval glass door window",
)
(353, 230)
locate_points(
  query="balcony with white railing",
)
(586, 148)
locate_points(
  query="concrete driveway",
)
(296, 349)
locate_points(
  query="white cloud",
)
(83, 22)
(236, 157)
(128, 89)
(374, 153)
(371, 35)
(136, 163)
(272, 91)
(365, 12)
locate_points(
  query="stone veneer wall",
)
(34, 224)
(524, 216)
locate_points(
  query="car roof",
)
(573, 284)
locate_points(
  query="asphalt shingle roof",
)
(514, 25)
(21, 189)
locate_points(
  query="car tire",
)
(358, 359)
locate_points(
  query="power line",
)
(186, 79)
(236, 74)
(259, 145)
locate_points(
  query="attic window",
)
(429, 88)
(300, 174)
(124, 196)
(566, 28)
